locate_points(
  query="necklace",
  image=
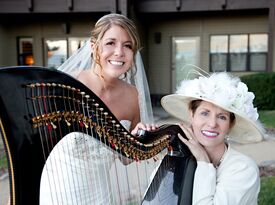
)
(222, 157)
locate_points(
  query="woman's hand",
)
(139, 126)
(193, 144)
(142, 126)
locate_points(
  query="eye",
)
(109, 43)
(223, 117)
(129, 46)
(204, 113)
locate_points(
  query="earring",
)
(227, 138)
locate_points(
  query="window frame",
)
(249, 54)
(24, 57)
(69, 50)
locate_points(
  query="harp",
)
(64, 143)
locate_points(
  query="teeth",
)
(212, 134)
(116, 62)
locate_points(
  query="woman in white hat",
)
(214, 109)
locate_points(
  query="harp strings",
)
(79, 147)
(122, 189)
(49, 123)
(60, 110)
(50, 135)
(93, 111)
(45, 132)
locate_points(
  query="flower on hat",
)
(224, 90)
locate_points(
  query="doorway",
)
(185, 50)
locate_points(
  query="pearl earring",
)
(227, 138)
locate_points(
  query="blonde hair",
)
(104, 24)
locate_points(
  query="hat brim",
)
(243, 131)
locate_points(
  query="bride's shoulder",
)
(129, 87)
(82, 75)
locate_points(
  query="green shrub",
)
(267, 117)
(263, 86)
(267, 192)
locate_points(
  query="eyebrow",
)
(220, 113)
(107, 39)
(114, 39)
(225, 113)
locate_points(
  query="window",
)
(218, 52)
(57, 50)
(258, 51)
(25, 51)
(75, 44)
(241, 52)
(185, 50)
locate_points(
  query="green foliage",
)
(3, 163)
(263, 86)
(267, 117)
(267, 193)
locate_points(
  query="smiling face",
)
(115, 52)
(210, 123)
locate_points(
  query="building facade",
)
(216, 35)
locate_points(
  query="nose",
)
(212, 121)
(119, 51)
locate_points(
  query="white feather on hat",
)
(225, 91)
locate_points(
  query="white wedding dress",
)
(80, 170)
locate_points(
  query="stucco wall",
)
(159, 62)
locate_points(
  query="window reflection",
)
(185, 50)
(219, 44)
(58, 50)
(75, 44)
(258, 48)
(238, 43)
(219, 50)
(242, 52)
(258, 61)
(258, 42)
(238, 61)
(25, 51)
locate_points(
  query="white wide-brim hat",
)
(224, 91)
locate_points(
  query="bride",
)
(80, 170)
